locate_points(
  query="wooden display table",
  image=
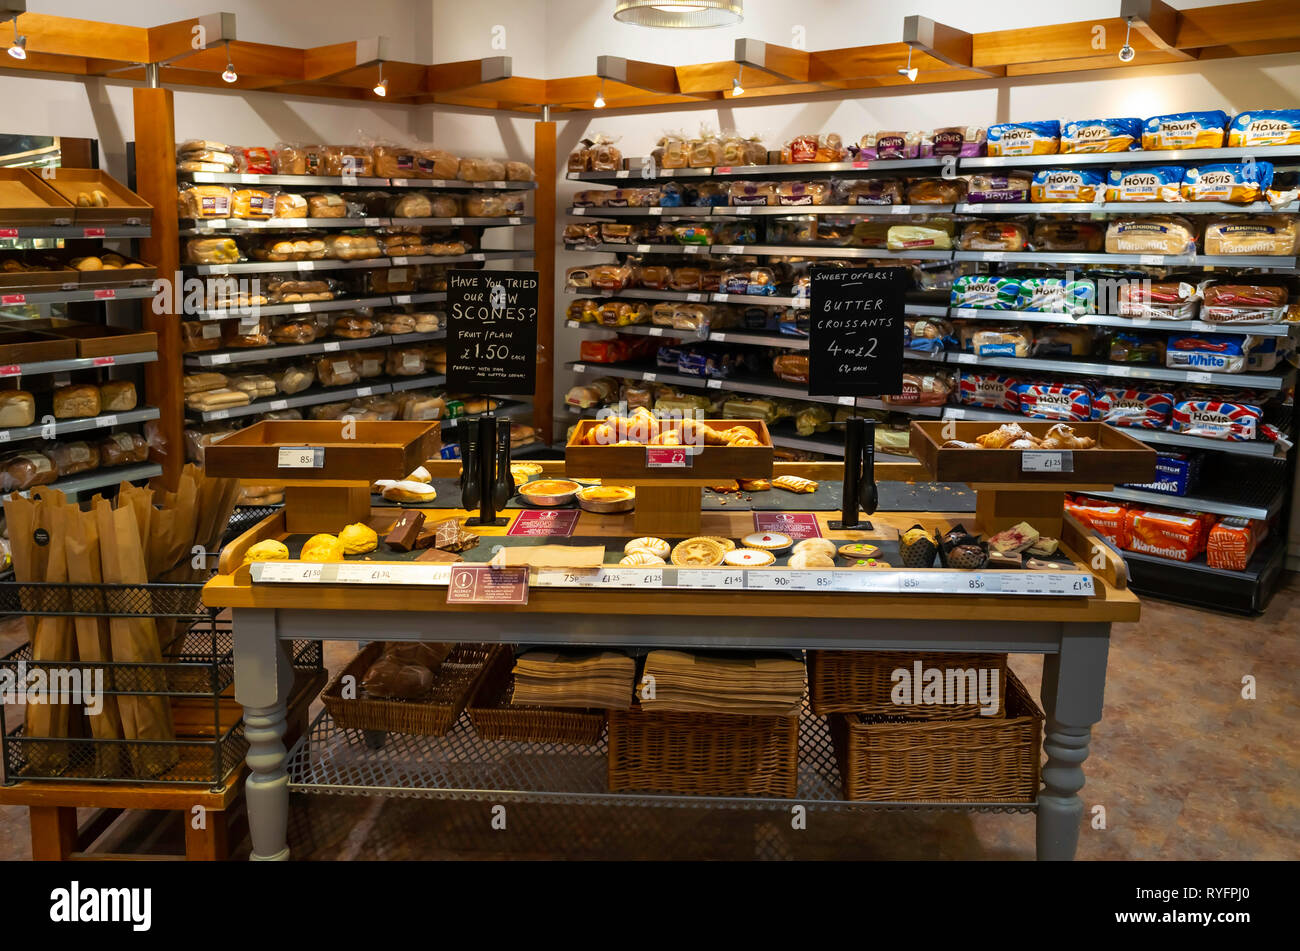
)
(1072, 632)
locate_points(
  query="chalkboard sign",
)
(855, 331)
(492, 332)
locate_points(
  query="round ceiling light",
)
(685, 14)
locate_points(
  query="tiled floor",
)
(1182, 766)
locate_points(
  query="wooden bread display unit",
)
(99, 199)
(27, 200)
(326, 465)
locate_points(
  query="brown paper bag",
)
(53, 640)
(93, 638)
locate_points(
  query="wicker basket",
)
(860, 682)
(431, 715)
(702, 754)
(985, 759)
(496, 718)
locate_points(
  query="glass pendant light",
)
(681, 15)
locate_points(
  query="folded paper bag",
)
(549, 556)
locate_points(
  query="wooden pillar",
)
(54, 832)
(544, 160)
(155, 157)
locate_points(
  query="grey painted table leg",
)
(1074, 683)
(263, 679)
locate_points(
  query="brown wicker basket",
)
(496, 718)
(984, 759)
(859, 682)
(431, 715)
(702, 754)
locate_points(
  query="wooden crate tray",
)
(125, 206)
(26, 200)
(378, 450)
(705, 462)
(1117, 457)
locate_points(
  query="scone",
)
(359, 539)
(655, 546)
(405, 491)
(824, 545)
(322, 548)
(268, 550)
(811, 559)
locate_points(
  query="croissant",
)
(669, 437)
(959, 444)
(602, 434)
(697, 433)
(642, 425)
(1003, 436)
(1062, 436)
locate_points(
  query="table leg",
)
(263, 678)
(1074, 683)
(54, 832)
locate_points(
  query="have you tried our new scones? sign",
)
(855, 331)
(492, 332)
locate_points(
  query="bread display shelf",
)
(65, 426)
(791, 250)
(25, 199)
(223, 358)
(102, 478)
(194, 226)
(1196, 503)
(1282, 329)
(755, 338)
(1148, 260)
(744, 211)
(1121, 208)
(741, 385)
(645, 293)
(1254, 381)
(63, 296)
(369, 448)
(319, 181)
(68, 365)
(330, 264)
(803, 169)
(1116, 458)
(705, 462)
(125, 206)
(71, 233)
(1265, 153)
(312, 397)
(305, 307)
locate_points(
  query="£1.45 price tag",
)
(300, 457)
(1036, 460)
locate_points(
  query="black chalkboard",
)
(855, 331)
(492, 332)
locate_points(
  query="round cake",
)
(768, 541)
(748, 558)
(859, 550)
(698, 552)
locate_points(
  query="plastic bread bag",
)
(801, 149)
(611, 277)
(919, 237)
(1238, 182)
(1056, 341)
(253, 160)
(965, 141)
(1156, 300)
(889, 145)
(1216, 353)
(393, 161)
(704, 151)
(802, 193)
(1101, 135)
(1256, 234)
(998, 186)
(1024, 138)
(931, 335)
(604, 157)
(1063, 401)
(1185, 130)
(211, 251)
(1126, 347)
(869, 191)
(994, 236)
(481, 170)
(923, 388)
(1067, 185)
(494, 206)
(436, 164)
(1132, 407)
(1066, 235)
(936, 191)
(1244, 303)
(989, 389)
(672, 150)
(299, 159)
(1150, 183)
(736, 232)
(753, 280)
(984, 340)
(1264, 127)
(1154, 234)
(294, 378)
(205, 201)
(693, 234)
(1216, 418)
(1056, 295)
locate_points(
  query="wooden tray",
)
(125, 208)
(26, 200)
(706, 462)
(1117, 458)
(378, 450)
(49, 279)
(96, 340)
(25, 347)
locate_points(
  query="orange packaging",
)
(1105, 518)
(1165, 534)
(1232, 542)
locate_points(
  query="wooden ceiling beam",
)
(64, 36)
(1157, 22)
(172, 41)
(782, 62)
(469, 74)
(1233, 23)
(648, 77)
(1085, 63)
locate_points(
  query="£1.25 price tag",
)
(300, 457)
(1036, 460)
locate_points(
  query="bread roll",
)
(73, 457)
(211, 251)
(24, 470)
(256, 385)
(240, 333)
(17, 408)
(122, 449)
(209, 400)
(391, 679)
(406, 361)
(336, 370)
(494, 206)
(398, 323)
(294, 332)
(424, 408)
(519, 172)
(117, 396)
(348, 160)
(76, 401)
(369, 364)
(352, 327)
(201, 145)
(290, 205)
(295, 379)
(198, 336)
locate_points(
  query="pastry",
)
(640, 557)
(406, 491)
(1062, 436)
(698, 553)
(1003, 437)
(796, 484)
(775, 542)
(748, 558)
(999, 560)
(811, 559)
(524, 472)
(969, 556)
(655, 546)
(726, 543)
(1014, 540)
(322, 548)
(755, 485)
(824, 545)
(359, 539)
(730, 485)
(1044, 547)
(917, 548)
(869, 563)
(405, 531)
(266, 550)
(858, 550)
(450, 536)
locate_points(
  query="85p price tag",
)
(300, 457)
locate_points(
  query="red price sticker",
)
(103, 361)
(8, 232)
(106, 293)
(667, 457)
(479, 584)
(11, 369)
(92, 232)
(13, 299)
(860, 165)
(723, 170)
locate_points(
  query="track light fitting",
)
(1126, 52)
(229, 75)
(909, 70)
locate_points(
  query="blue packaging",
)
(668, 358)
(1101, 135)
(1148, 183)
(449, 451)
(1185, 130)
(1218, 353)
(1025, 138)
(1177, 473)
(1228, 181)
(1265, 127)
(1067, 184)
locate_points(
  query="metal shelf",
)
(75, 296)
(497, 221)
(271, 267)
(741, 211)
(1127, 323)
(105, 477)
(223, 358)
(431, 297)
(653, 211)
(758, 171)
(209, 225)
(305, 307)
(1257, 381)
(1120, 208)
(399, 261)
(1146, 260)
(416, 382)
(755, 338)
(641, 293)
(313, 397)
(334, 181)
(1217, 506)
(817, 251)
(1137, 157)
(76, 232)
(1219, 589)
(743, 385)
(643, 248)
(77, 363)
(63, 427)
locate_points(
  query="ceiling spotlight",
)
(909, 70)
(1126, 52)
(599, 102)
(736, 88)
(381, 87)
(229, 75)
(19, 49)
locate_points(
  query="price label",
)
(301, 308)
(643, 249)
(622, 173)
(900, 209)
(742, 210)
(300, 457)
(846, 401)
(714, 384)
(974, 209)
(813, 580)
(217, 269)
(516, 221)
(306, 265)
(370, 222)
(994, 255)
(107, 421)
(458, 221)
(694, 297)
(1200, 377)
(1121, 370)
(578, 211)
(1151, 259)
(103, 361)
(105, 293)
(399, 261)
(580, 368)
(331, 346)
(723, 579)
(4, 435)
(402, 298)
(365, 391)
(349, 178)
(13, 298)
(723, 170)
(769, 580)
(218, 414)
(910, 583)
(93, 232)
(954, 413)
(478, 257)
(285, 572)
(655, 212)
(667, 457)
(399, 182)
(8, 232)
(859, 165)
(277, 405)
(648, 377)
(11, 369)
(653, 331)
(246, 179)
(1034, 460)
(218, 359)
